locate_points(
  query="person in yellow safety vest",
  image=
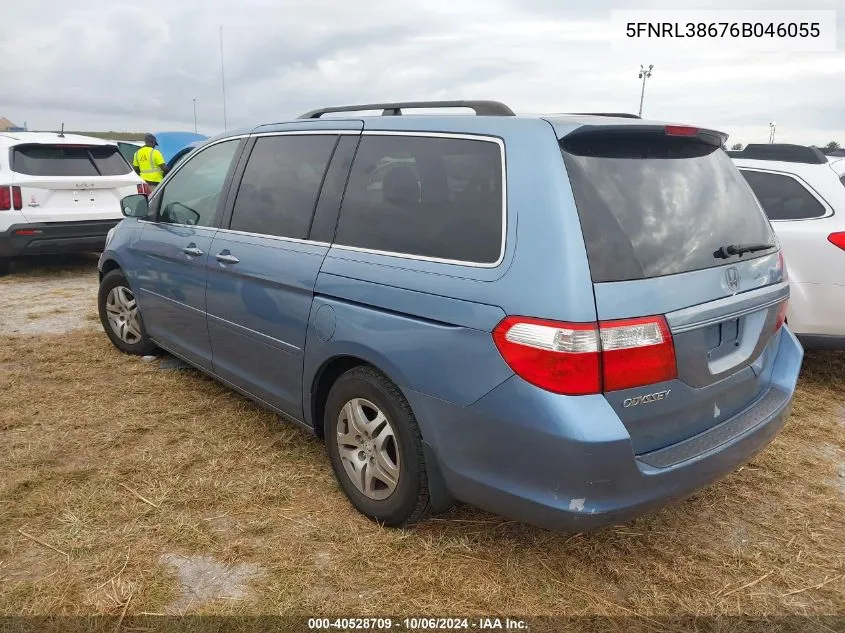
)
(149, 162)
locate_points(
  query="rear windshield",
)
(67, 160)
(652, 205)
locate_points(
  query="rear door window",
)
(432, 197)
(280, 185)
(653, 205)
(69, 160)
(783, 197)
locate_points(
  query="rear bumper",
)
(568, 463)
(54, 237)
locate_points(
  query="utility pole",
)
(223, 80)
(645, 73)
(195, 115)
(772, 128)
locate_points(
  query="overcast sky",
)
(112, 65)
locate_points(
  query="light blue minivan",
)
(568, 320)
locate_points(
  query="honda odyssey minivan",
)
(567, 320)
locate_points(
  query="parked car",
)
(803, 193)
(182, 153)
(540, 316)
(172, 143)
(59, 193)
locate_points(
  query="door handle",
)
(227, 258)
(191, 249)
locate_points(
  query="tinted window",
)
(431, 197)
(127, 150)
(783, 197)
(192, 194)
(65, 160)
(652, 205)
(109, 161)
(280, 185)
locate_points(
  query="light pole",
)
(645, 73)
(195, 115)
(223, 80)
(772, 128)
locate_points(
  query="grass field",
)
(129, 489)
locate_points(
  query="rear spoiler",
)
(702, 135)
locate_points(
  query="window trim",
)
(409, 256)
(155, 198)
(829, 211)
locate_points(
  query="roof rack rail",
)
(784, 152)
(481, 108)
(618, 115)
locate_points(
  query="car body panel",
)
(258, 312)
(815, 266)
(575, 468)
(169, 143)
(171, 285)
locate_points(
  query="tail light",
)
(782, 263)
(636, 352)
(782, 308)
(837, 239)
(680, 130)
(587, 358)
(144, 188)
(13, 200)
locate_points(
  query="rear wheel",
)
(5, 266)
(375, 448)
(121, 317)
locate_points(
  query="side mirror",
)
(135, 206)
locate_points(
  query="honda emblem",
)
(732, 277)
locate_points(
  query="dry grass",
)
(112, 464)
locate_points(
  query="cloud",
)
(111, 65)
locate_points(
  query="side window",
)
(426, 197)
(192, 195)
(783, 197)
(280, 185)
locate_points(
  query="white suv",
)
(803, 193)
(59, 193)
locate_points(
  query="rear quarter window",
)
(67, 160)
(432, 197)
(783, 197)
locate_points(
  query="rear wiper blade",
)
(739, 249)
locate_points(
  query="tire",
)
(5, 266)
(396, 437)
(135, 339)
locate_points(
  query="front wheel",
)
(121, 317)
(375, 448)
